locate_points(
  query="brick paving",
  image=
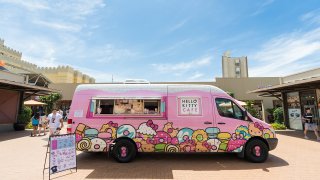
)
(22, 157)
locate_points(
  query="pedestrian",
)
(43, 123)
(309, 124)
(55, 122)
(67, 114)
(35, 124)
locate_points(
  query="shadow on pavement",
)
(161, 165)
(8, 135)
(298, 134)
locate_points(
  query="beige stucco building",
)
(65, 74)
(61, 74)
(234, 67)
(299, 92)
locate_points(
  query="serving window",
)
(127, 106)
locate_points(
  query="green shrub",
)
(25, 116)
(50, 100)
(270, 110)
(29, 125)
(278, 126)
(278, 115)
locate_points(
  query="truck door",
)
(232, 124)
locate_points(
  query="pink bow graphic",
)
(112, 124)
(259, 126)
(150, 124)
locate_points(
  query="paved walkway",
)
(22, 157)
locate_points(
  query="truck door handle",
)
(207, 122)
(221, 123)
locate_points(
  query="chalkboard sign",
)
(62, 153)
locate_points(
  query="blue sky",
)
(162, 40)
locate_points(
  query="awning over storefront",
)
(26, 88)
(299, 85)
(12, 95)
(37, 79)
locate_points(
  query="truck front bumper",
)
(272, 142)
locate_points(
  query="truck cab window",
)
(227, 108)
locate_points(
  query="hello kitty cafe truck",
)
(124, 119)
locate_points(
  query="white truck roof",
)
(155, 87)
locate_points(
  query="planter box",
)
(19, 127)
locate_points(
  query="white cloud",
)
(196, 76)
(312, 17)
(173, 48)
(77, 9)
(58, 25)
(73, 8)
(39, 51)
(178, 25)
(31, 5)
(262, 6)
(182, 67)
(282, 53)
(109, 53)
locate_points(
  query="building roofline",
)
(25, 87)
(317, 68)
(284, 87)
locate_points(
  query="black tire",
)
(256, 151)
(129, 153)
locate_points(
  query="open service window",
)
(128, 106)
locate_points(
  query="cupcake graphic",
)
(147, 129)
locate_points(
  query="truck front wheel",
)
(124, 151)
(256, 151)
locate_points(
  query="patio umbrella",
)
(33, 103)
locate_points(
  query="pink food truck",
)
(124, 119)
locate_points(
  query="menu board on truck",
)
(62, 153)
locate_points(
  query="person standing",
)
(43, 123)
(55, 121)
(35, 124)
(310, 124)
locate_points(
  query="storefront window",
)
(318, 101)
(294, 110)
(308, 101)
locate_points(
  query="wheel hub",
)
(257, 151)
(123, 152)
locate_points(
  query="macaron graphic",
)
(212, 132)
(91, 133)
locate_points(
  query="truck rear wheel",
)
(256, 151)
(124, 151)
